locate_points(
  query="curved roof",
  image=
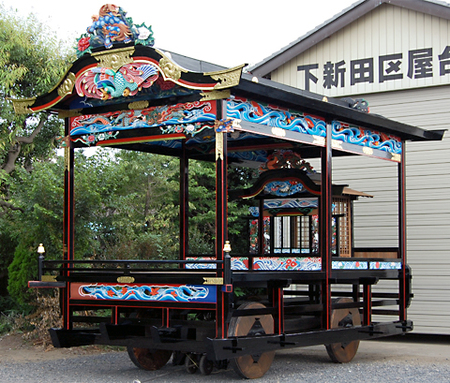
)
(126, 79)
(74, 96)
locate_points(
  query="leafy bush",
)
(22, 269)
(12, 314)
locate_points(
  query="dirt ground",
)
(13, 348)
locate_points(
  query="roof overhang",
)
(328, 108)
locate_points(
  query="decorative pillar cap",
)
(227, 247)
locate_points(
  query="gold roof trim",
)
(23, 106)
(215, 95)
(70, 113)
(228, 77)
(170, 69)
(138, 105)
(114, 59)
(67, 86)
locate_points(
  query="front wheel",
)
(344, 352)
(255, 365)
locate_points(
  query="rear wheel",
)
(148, 359)
(348, 317)
(255, 365)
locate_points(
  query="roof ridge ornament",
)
(286, 159)
(110, 28)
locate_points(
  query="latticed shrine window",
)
(302, 233)
(342, 225)
(283, 235)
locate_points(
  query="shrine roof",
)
(118, 69)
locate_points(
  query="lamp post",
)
(227, 263)
(41, 252)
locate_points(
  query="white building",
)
(396, 55)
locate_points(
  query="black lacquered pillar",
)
(403, 291)
(221, 216)
(184, 203)
(68, 221)
(325, 225)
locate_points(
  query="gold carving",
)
(227, 78)
(69, 113)
(279, 132)
(396, 157)
(368, 151)
(48, 278)
(215, 95)
(67, 86)
(138, 105)
(319, 140)
(336, 144)
(219, 146)
(114, 59)
(62, 142)
(125, 279)
(67, 158)
(212, 281)
(170, 69)
(23, 106)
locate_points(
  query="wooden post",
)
(261, 244)
(221, 217)
(402, 231)
(367, 298)
(68, 222)
(184, 203)
(325, 227)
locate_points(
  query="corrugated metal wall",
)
(428, 201)
(426, 103)
(386, 30)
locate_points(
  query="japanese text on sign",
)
(417, 64)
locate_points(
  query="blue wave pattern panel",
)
(382, 265)
(287, 264)
(349, 265)
(285, 204)
(270, 115)
(237, 263)
(315, 264)
(149, 293)
(366, 138)
(251, 111)
(283, 188)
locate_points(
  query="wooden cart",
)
(310, 285)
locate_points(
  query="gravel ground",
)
(375, 362)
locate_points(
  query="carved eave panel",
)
(127, 78)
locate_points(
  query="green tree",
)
(32, 61)
(39, 196)
(129, 202)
